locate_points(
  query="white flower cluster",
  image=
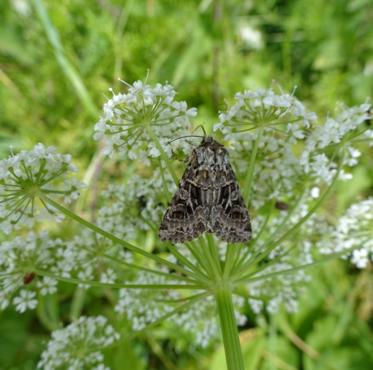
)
(130, 119)
(333, 132)
(83, 258)
(281, 290)
(290, 154)
(24, 259)
(284, 122)
(265, 108)
(79, 345)
(19, 259)
(28, 175)
(144, 306)
(199, 321)
(135, 206)
(353, 233)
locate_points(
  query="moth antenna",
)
(201, 127)
(183, 137)
(195, 129)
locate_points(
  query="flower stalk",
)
(229, 331)
(112, 237)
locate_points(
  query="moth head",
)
(208, 140)
(211, 142)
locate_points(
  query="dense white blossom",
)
(284, 122)
(144, 306)
(87, 257)
(292, 143)
(84, 257)
(332, 132)
(130, 119)
(79, 345)
(354, 233)
(135, 206)
(19, 258)
(28, 175)
(265, 108)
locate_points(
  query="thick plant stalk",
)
(229, 330)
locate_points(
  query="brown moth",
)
(208, 200)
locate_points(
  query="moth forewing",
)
(208, 199)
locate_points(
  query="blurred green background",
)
(57, 61)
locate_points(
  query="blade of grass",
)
(67, 68)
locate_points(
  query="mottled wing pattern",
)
(208, 199)
(184, 219)
(231, 221)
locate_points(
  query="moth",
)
(208, 199)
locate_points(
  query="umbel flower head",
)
(353, 233)
(254, 109)
(79, 345)
(140, 122)
(26, 177)
(20, 258)
(293, 149)
(136, 206)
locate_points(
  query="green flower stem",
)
(122, 263)
(112, 237)
(250, 171)
(213, 270)
(305, 218)
(263, 225)
(230, 258)
(119, 286)
(163, 154)
(263, 124)
(248, 279)
(241, 259)
(231, 340)
(196, 252)
(286, 219)
(167, 193)
(239, 268)
(199, 275)
(180, 300)
(77, 303)
(214, 252)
